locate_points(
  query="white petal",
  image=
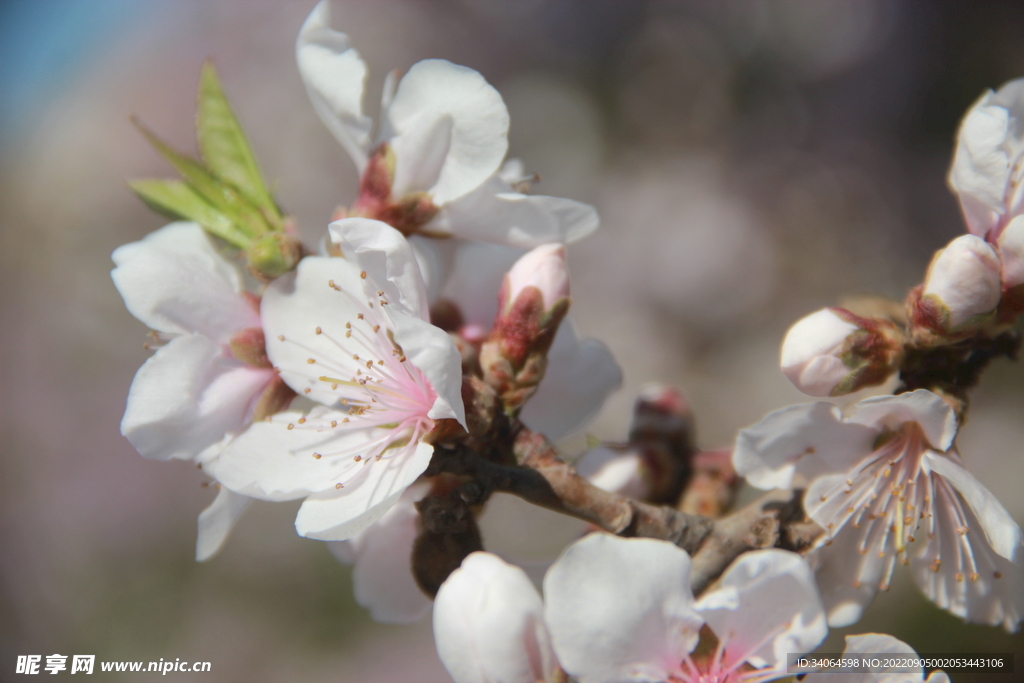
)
(608, 628)
(434, 89)
(335, 515)
(765, 606)
(874, 644)
(1002, 533)
(435, 259)
(847, 578)
(216, 522)
(421, 152)
(959, 571)
(382, 578)
(965, 277)
(335, 77)
(187, 397)
(174, 281)
(432, 350)
(1011, 253)
(981, 168)
(936, 417)
(271, 462)
(295, 306)
(792, 446)
(488, 625)
(580, 375)
(809, 356)
(386, 257)
(493, 213)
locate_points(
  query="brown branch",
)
(774, 520)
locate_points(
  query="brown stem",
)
(774, 520)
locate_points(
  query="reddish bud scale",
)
(407, 214)
(250, 347)
(875, 349)
(525, 327)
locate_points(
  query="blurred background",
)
(751, 161)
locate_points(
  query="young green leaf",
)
(176, 199)
(221, 195)
(225, 149)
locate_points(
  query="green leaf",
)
(222, 196)
(176, 199)
(225, 148)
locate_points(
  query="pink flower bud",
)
(962, 287)
(832, 352)
(546, 269)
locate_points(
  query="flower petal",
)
(335, 77)
(848, 578)
(580, 375)
(936, 417)
(339, 514)
(175, 281)
(606, 628)
(765, 606)
(382, 577)
(434, 89)
(792, 446)
(1002, 533)
(272, 462)
(187, 397)
(494, 213)
(957, 568)
(216, 522)
(876, 644)
(388, 261)
(488, 624)
(432, 350)
(476, 277)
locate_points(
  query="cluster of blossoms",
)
(419, 358)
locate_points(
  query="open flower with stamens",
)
(351, 335)
(888, 487)
(210, 376)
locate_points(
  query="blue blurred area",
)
(45, 43)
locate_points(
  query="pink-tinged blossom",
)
(622, 610)
(888, 487)
(210, 375)
(434, 164)
(351, 335)
(832, 352)
(543, 268)
(877, 645)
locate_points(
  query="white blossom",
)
(204, 385)
(446, 128)
(888, 487)
(350, 334)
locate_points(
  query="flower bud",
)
(832, 352)
(533, 300)
(273, 255)
(962, 287)
(543, 268)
